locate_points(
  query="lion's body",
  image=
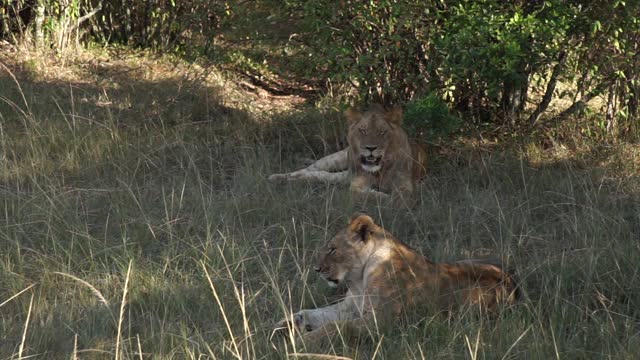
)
(385, 277)
(380, 158)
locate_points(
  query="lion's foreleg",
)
(312, 175)
(315, 318)
(360, 186)
(331, 168)
(311, 319)
(343, 331)
(337, 161)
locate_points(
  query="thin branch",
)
(87, 16)
(551, 87)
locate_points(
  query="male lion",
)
(385, 278)
(380, 159)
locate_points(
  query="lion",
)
(384, 278)
(380, 159)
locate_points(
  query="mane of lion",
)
(381, 156)
(379, 160)
(385, 278)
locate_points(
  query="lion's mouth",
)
(333, 282)
(370, 160)
(370, 163)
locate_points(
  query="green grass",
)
(136, 221)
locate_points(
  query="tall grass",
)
(137, 227)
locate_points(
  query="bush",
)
(430, 116)
(487, 59)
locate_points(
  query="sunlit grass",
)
(127, 233)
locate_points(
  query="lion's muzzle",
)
(326, 274)
(371, 159)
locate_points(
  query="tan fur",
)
(379, 160)
(381, 157)
(385, 277)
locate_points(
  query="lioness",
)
(380, 159)
(385, 277)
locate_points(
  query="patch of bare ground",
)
(118, 70)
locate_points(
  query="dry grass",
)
(137, 223)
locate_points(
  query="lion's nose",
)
(370, 147)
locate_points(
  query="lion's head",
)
(345, 255)
(375, 137)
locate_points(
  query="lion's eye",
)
(381, 132)
(332, 251)
(363, 131)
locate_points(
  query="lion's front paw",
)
(295, 326)
(287, 177)
(297, 322)
(275, 177)
(308, 161)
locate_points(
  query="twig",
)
(26, 326)
(551, 87)
(86, 17)
(122, 305)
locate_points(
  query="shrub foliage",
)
(489, 60)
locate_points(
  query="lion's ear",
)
(363, 225)
(352, 115)
(394, 115)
